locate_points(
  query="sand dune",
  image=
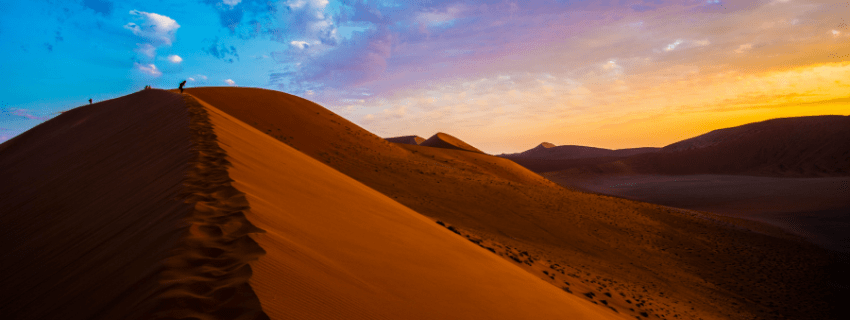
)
(338, 249)
(262, 204)
(414, 140)
(643, 260)
(443, 140)
(157, 205)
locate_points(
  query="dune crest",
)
(207, 277)
(443, 140)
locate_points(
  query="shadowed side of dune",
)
(123, 210)
(442, 140)
(337, 249)
(91, 206)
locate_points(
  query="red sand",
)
(338, 249)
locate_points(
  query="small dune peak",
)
(547, 145)
(414, 139)
(447, 141)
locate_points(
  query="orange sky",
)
(647, 79)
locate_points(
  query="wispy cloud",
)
(148, 69)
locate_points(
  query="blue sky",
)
(502, 75)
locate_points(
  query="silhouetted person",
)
(181, 85)
(89, 101)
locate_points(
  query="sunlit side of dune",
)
(336, 249)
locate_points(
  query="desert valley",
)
(242, 203)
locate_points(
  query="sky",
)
(503, 76)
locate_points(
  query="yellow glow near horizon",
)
(512, 114)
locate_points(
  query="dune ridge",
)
(207, 277)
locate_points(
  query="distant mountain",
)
(414, 140)
(548, 151)
(801, 146)
(443, 140)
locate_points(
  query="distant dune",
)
(414, 140)
(443, 140)
(548, 151)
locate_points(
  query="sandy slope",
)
(90, 208)
(336, 249)
(643, 260)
